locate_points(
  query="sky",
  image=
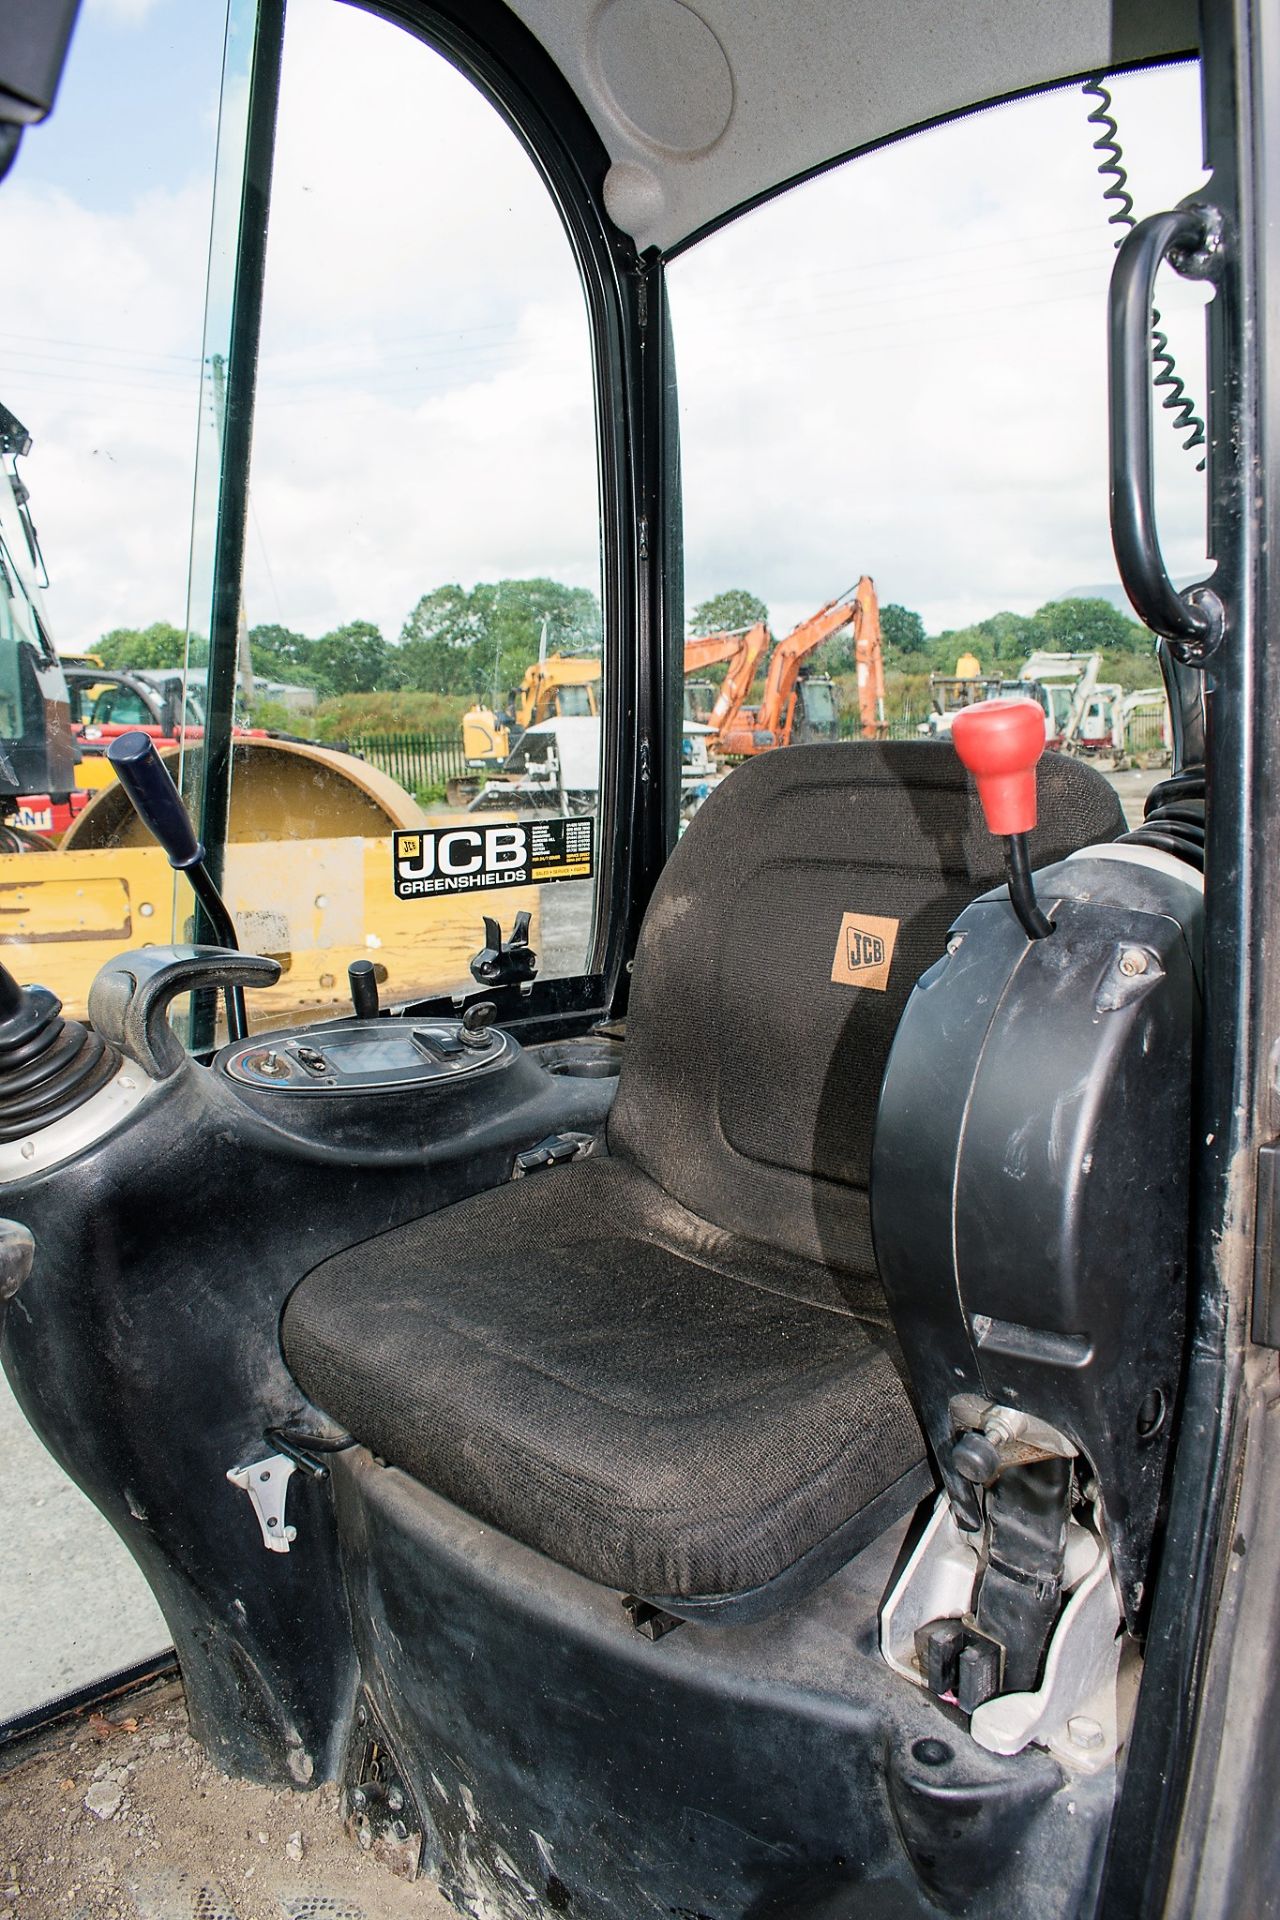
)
(897, 368)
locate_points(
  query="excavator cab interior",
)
(816, 715)
(777, 1418)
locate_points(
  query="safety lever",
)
(1000, 742)
(505, 964)
(159, 806)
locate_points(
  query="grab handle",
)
(1190, 621)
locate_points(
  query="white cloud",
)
(124, 13)
(900, 368)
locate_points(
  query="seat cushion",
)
(665, 1407)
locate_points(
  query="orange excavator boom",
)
(868, 656)
(703, 650)
(743, 649)
(770, 724)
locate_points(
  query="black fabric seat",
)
(671, 1368)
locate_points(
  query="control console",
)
(363, 1056)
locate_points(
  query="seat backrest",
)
(807, 896)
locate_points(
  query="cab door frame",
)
(643, 620)
(1194, 1828)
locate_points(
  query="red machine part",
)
(1000, 742)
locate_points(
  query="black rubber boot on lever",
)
(48, 1066)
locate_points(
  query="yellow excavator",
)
(558, 686)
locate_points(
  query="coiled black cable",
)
(1168, 381)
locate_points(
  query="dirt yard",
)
(119, 1816)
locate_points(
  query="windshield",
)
(922, 330)
(819, 703)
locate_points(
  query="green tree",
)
(511, 617)
(1088, 626)
(281, 654)
(436, 642)
(901, 630)
(725, 612)
(354, 658)
(134, 649)
(480, 642)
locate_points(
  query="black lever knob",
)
(977, 1459)
(476, 1022)
(156, 801)
(364, 989)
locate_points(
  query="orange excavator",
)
(798, 707)
(743, 648)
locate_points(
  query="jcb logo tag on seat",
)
(864, 951)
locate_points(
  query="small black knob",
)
(476, 1022)
(364, 989)
(976, 1458)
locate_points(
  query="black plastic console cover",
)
(1030, 1176)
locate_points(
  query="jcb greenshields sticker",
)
(437, 860)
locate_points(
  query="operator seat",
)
(671, 1367)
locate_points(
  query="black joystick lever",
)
(158, 804)
(509, 963)
(363, 979)
(1000, 742)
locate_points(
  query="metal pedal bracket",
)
(267, 1484)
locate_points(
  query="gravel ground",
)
(121, 1817)
(72, 1603)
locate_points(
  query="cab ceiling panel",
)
(702, 108)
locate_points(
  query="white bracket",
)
(267, 1484)
(1074, 1712)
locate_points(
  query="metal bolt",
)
(359, 1798)
(1085, 1733)
(395, 1798)
(955, 943)
(362, 1716)
(1132, 961)
(400, 1830)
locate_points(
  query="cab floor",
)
(121, 1817)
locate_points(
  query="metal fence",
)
(422, 760)
(851, 728)
(416, 760)
(1144, 731)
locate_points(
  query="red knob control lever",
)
(1000, 742)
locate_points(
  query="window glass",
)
(109, 210)
(421, 619)
(897, 370)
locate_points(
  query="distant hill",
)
(1112, 591)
